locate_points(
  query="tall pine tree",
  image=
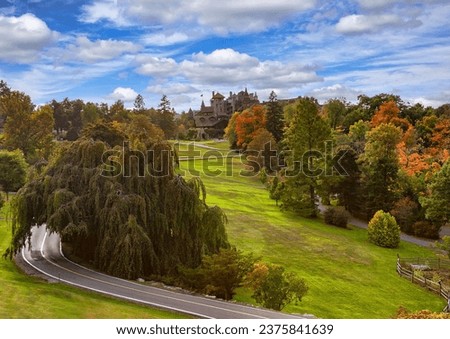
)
(274, 117)
(305, 139)
(166, 118)
(380, 167)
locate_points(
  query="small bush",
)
(426, 229)
(403, 313)
(336, 216)
(383, 230)
(219, 274)
(405, 211)
(275, 288)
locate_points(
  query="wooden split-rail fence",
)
(409, 268)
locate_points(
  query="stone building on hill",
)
(211, 121)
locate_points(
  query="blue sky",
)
(105, 50)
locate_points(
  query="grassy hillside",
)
(348, 276)
(22, 296)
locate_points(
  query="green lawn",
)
(192, 149)
(348, 277)
(22, 296)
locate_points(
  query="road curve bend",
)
(45, 256)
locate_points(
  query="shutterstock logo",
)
(199, 160)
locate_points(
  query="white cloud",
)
(222, 70)
(222, 17)
(23, 38)
(103, 10)
(246, 15)
(173, 89)
(334, 91)
(155, 66)
(45, 81)
(100, 50)
(124, 94)
(165, 39)
(225, 58)
(228, 67)
(359, 23)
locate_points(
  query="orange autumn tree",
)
(385, 113)
(248, 123)
(441, 137)
(430, 159)
(409, 159)
(388, 113)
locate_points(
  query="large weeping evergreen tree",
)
(129, 216)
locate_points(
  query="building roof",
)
(218, 96)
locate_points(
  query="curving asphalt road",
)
(45, 256)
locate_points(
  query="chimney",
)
(213, 93)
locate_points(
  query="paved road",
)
(45, 256)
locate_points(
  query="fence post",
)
(412, 276)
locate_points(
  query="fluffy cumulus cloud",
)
(222, 17)
(100, 50)
(229, 67)
(103, 10)
(155, 66)
(125, 94)
(23, 38)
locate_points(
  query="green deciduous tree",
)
(383, 230)
(220, 274)
(275, 288)
(141, 132)
(118, 112)
(90, 114)
(335, 110)
(437, 202)
(262, 152)
(230, 131)
(27, 129)
(15, 103)
(13, 170)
